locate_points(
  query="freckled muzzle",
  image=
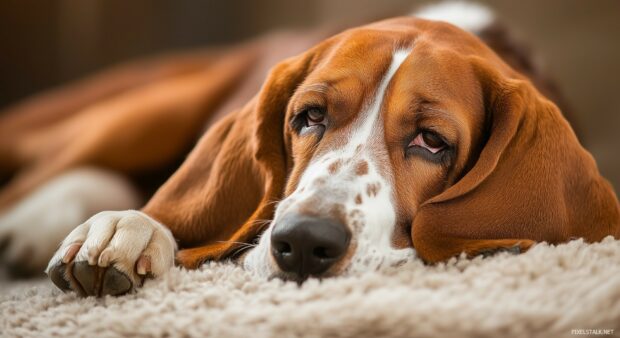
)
(308, 246)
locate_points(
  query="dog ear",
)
(532, 182)
(223, 195)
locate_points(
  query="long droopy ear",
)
(225, 192)
(532, 182)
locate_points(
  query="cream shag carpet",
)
(546, 292)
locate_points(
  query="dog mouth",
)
(289, 277)
(299, 279)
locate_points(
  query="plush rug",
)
(548, 291)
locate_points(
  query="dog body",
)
(401, 134)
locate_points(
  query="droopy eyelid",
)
(306, 103)
(439, 121)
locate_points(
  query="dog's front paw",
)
(112, 253)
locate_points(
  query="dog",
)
(398, 139)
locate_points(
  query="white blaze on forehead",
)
(372, 220)
(364, 132)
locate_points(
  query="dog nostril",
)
(283, 248)
(321, 252)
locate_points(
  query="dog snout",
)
(308, 246)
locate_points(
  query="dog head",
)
(406, 136)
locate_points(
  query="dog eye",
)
(310, 120)
(429, 141)
(314, 116)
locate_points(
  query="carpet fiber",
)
(545, 292)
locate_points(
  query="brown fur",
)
(139, 129)
(519, 174)
(489, 197)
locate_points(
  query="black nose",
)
(308, 245)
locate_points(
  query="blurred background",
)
(45, 43)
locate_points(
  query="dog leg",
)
(32, 229)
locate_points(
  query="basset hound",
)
(399, 139)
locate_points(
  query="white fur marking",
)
(364, 132)
(373, 239)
